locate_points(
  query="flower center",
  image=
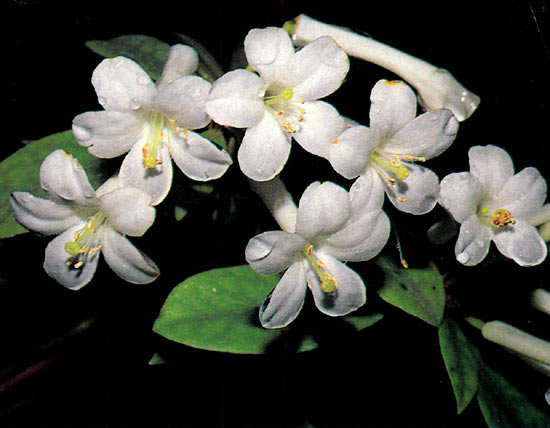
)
(85, 241)
(289, 113)
(328, 282)
(159, 133)
(498, 218)
(156, 133)
(391, 167)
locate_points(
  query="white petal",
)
(460, 194)
(427, 136)
(56, 258)
(155, 181)
(418, 193)
(273, 252)
(181, 61)
(393, 105)
(42, 215)
(323, 209)
(264, 150)
(184, 100)
(128, 210)
(122, 85)
(521, 242)
(126, 260)
(349, 294)
(199, 158)
(268, 51)
(366, 194)
(64, 180)
(283, 305)
(524, 193)
(236, 99)
(108, 134)
(321, 125)
(350, 153)
(473, 242)
(492, 166)
(361, 240)
(318, 69)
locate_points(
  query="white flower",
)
(152, 122)
(383, 154)
(280, 102)
(88, 223)
(493, 204)
(331, 226)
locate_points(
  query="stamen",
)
(79, 249)
(401, 172)
(150, 149)
(328, 282)
(502, 217)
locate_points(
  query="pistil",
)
(152, 145)
(328, 282)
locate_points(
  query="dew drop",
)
(135, 104)
(480, 244)
(82, 133)
(463, 257)
(102, 101)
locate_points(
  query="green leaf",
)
(20, 172)
(419, 292)
(217, 310)
(504, 406)
(461, 361)
(148, 52)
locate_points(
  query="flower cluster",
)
(278, 99)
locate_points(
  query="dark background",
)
(80, 359)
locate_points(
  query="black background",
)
(80, 359)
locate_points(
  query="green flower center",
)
(85, 241)
(328, 282)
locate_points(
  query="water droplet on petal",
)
(463, 257)
(135, 104)
(102, 101)
(82, 133)
(480, 244)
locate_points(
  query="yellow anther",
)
(335, 141)
(78, 265)
(401, 199)
(404, 263)
(502, 217)
(393, 82)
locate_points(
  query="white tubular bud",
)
(540, 299)
(517, 340)
(436, 87)
(278, 201)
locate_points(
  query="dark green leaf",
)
(217, 310)
(148, 52)
(504, 406)
(461, 361)
(20, 172)
(419, 292)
